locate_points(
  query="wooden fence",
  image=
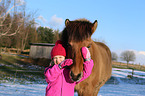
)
(130, 66)
(14, 51)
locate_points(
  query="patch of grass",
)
(13, 69)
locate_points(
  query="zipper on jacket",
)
(61, 83)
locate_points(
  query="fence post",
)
(132, 65)
(139, 66)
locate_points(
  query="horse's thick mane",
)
(77, 30)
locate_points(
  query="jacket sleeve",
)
(51, 73)
(87, 70)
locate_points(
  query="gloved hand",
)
(86, 54)
(66, 62)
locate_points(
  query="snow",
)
(122, 90)
(8, 89)
(124, 86)
(118, 85)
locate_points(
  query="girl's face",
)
(58, 59)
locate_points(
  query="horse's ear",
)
(95, 24)
(67, 22)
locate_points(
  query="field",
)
(19, 77)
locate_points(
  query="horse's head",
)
(76, 35)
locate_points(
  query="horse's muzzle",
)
(75, 78)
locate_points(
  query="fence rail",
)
(14, 51)
(130, 66)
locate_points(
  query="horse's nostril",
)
(79, 75)
(72, 74)
(75, 77)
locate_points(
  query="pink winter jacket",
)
(59, 83)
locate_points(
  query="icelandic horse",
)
(76, 35)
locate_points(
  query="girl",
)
(57, 75)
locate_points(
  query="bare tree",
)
(128, 56)
(9, 7)
(114, 56)
(16, 24)
(28, 24)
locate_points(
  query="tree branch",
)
(8, 29)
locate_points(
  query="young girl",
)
(57, 75)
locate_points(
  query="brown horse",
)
(75, 35)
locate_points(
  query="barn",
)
(40, 50)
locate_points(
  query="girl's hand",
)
(86, 54)
(66, 62)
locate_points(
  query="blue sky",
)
(121, 23)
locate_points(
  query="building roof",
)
(42, 44)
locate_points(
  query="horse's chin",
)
(75, 78)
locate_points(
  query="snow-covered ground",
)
(118, 85)
(9, 89)
(124, 86)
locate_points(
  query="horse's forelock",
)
(77, 30)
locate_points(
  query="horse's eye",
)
(68, 45)
(89, 46)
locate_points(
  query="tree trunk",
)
(127, 64)
(0, 57)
